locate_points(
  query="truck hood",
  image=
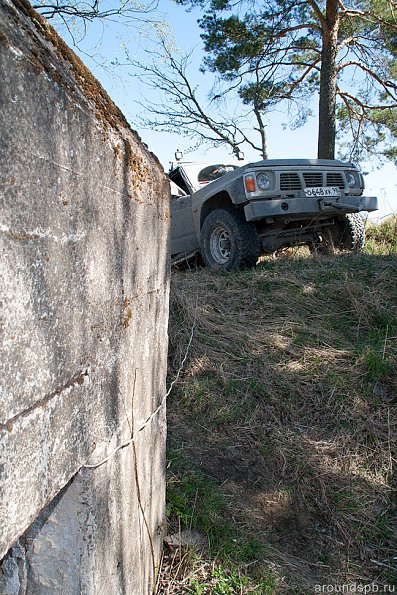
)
(272, 163)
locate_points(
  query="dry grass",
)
(382, 238)
(287, 409)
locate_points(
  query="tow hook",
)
(324, 204)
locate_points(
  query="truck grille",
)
(290, 181)
(313, 179)
(335, 179)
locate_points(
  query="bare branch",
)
(344, 95)
(385, 85)
(318, 12)
(91, 12)
(182, 108)
(366, 16)
(313, 26)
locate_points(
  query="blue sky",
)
(103, 43)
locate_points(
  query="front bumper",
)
(282, 207)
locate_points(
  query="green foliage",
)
(277, 50)
(231, 582)
(195, 500)
(382, 238)
(376, 365)
(198, 503)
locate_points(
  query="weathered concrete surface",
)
(84, 299)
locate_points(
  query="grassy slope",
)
(282, 427)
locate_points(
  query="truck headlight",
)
(263, 181)
(351, 179)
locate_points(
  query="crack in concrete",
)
(41, 234)
(79, 379)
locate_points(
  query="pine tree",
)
(287, 50)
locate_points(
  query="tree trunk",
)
(328, 78)
(262, 132)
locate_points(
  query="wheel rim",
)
(220, 245)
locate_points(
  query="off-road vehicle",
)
(232, 214)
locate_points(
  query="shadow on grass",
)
(282, 430)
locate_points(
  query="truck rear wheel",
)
(228, 241)
(347, 233)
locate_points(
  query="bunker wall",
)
(84, 300)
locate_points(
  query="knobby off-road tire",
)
(228, 241)
(353, 233)
(347, 233)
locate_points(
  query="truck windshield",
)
(213, 172)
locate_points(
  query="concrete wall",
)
(84, 307)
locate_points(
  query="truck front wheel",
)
(228, 241)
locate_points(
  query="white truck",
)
(232, 215)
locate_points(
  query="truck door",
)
(183, 233)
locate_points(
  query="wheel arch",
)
(228, 240)
(220, 200)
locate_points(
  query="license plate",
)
(322, 192)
